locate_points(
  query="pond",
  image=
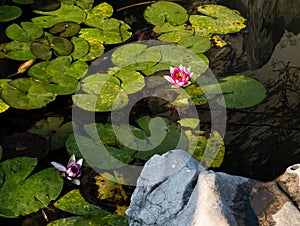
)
(90, 90)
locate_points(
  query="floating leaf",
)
(61, 74)
(159, 12)
(189, 122)
(73, 202)
(65, 29)
(8, 13)
(238, 91)
(61, 46)
(96, 49)
(196, 44)
(41, 49)
(131, 81)
(210, 152)
(22, 194)
(101, 96)
(3, 106)
(53, 130)
(218, 20)
(90, 214)
(26, 93)
(241, 91)
(27, 32)
(98, 14)
(16, 50)
(170, 33)
(81, 48)
(66, 13)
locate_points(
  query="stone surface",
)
(174, 189)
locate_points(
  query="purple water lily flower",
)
(180, 76)
(72, 171)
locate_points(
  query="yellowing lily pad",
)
(3, 106)
(218, 19)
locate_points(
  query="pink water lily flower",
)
(180, 76)
(72, 171)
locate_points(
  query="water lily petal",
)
(169, 78)
(79, 162)
(71, 161)
(59, 166)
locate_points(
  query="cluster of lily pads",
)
(57, 48)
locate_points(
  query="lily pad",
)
(89, 214)
(65, 29)
(196, 44)
(41, 49)
(22, 194)
(159, 12)
(96, 49)
(53, 130)
(8, 13)
(101, 96)
(26, 93)
(28, 31)
(17, 50)
(61, 74)
(131, 81)
(98, 14)
(3, 106)
(61, 46)
(23, 1)
(218, 19)
(241, 91)
(66, 12)
(170, 33)
(238, 91)
(81, 47)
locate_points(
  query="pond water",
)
(261, 141)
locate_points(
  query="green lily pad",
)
(89, 214)
(22, 194)
(66, 12)
(60, 74)
(218, 20)
(26, 93)
(159, 12)
(8, 13)
(131, 81)
(41, 49)
(170, 33)
(53, 130)
(196, 44)
(81, 48)
(61, 46)
(241, 91)
(28, 31)
(127, 54)
(17, 50)
(189, 122)
(65, 29)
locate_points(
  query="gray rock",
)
(174, 190)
